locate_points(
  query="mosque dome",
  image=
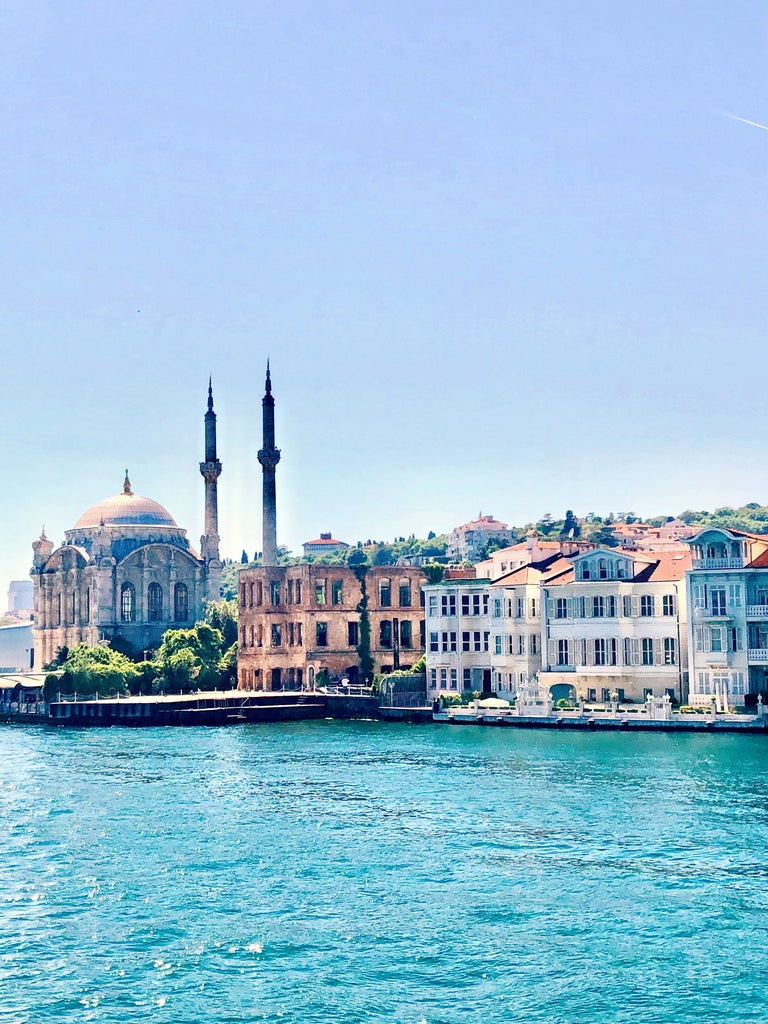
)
(126, 509)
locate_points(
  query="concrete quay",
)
(230, 707)
(605, 721)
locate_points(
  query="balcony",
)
(718, 563)
(718, 659)
(757, 611)
(758, 655)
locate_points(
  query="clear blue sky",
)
(503, 256)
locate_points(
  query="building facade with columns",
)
(126, 571)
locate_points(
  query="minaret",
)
(269, 456)
(211, 471)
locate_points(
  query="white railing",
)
(718, 563)
(757, 611)
(757, 654)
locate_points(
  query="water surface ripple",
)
(356, 872)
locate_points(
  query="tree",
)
(360, 570)
(571, 526)
(244, 557)
(222, 615)
(94, 670)
(198, 665)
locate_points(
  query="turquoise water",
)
(345, 872)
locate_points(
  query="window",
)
(433, 679)
(497, 608)
(716, 638)
(443, 678)
(466, 678)
(465, 604)
(598, 607)
(337, 592)
(291, 634)
(485, 604)
(321, 634)
(581, 607)
(454, 679)
(611, 606)
(602, 569)
(87, 606)
(627, 606)
(521, 644)
(385, 633)
(298, 592)
(385, 593)
(299, 634)
(320, 592)
(448, 604)
(670, 654)
(289, 598)
(405, 593)
(155, 602)
(647, 603)
(668, 605)
(717, 600)
(433, 643)
(563, 654)
(465, 640)
(497, 645)
(449, 642)
(406, 634)
(250, 595)
(259, 592)
(561, 608)
(276, 636)
(486, 642)
(274, 592)
(533, 643)
(476, 640)
(534, 608)
(613, 651)
(475, 604)
(432, 605)
(520, 612)
(353, 635)
(734, 594)
(180, 603)
(599, 651)
(646, 648)
(586, 573)
(128, 602)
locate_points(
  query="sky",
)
(504, 257)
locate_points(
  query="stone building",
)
(296, 621)
(126, 571)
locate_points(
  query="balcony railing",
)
(718, 563)
(758, 654)
(757, 611)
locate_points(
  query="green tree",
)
(222, 615)
(199, 665)
(365, 659)
(96, 670)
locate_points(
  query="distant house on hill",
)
(466, 542)
(324, 544)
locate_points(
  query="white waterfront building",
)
(615, 621)
(728, 595)
(582, 624)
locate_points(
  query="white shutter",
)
(551, 652)
(550, 608)
(658, 653)
(635, 652)
(635, 606)
(569, 607)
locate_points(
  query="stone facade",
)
(296, 621)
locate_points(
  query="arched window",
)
(602, 571)
(385, 593)
(155, 602)
(128, 602)
(180, 603)
(405, 593)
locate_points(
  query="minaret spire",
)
(211, 471)
(269, 456)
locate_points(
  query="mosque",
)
(126, 571)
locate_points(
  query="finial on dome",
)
(42, 533)
(127, 484)
(210, 395)
(268, 385)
